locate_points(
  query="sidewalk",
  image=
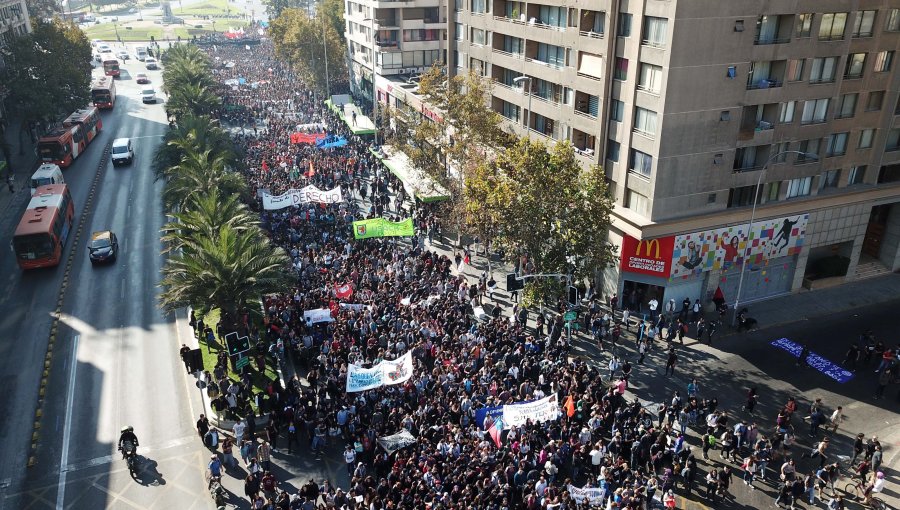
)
(22, 166)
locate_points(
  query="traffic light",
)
(573, 295)
(513, 283)
(236, 345)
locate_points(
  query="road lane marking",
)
(143, 450)
(67, 427)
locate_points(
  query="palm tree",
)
(186, 72)
(204, 216)
(200, 173)
(193, 99)
(225, 271)
(193, 135)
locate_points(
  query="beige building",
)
(13, 20)
(688, 104)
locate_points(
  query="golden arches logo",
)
(649, 246)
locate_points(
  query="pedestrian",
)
(185, 352)
(227, 453)
(251, 486)
(246, 454)
(837, 417)
(696, 311)
(202, 426)
(214, 466)
(884, 378)
(613, 366)
(642, 349)
(752, 397)
(877, 457)
(851, 357)
(801, 359)
(709, 441)
(293, 436)
(350, 459)
(238, 429)
(785, 496)
(701, 329)
(859, 446)
(671, 360)
(264, 456)
(10, 182)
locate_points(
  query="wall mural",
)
(725, 247)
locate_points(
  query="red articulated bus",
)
(44, 228)
(63, 145)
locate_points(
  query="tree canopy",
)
(303, 42)
(48, 72)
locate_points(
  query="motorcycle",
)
(129, 451)
(217, 492)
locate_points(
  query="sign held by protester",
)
(301, 196)
(380, 227)
(538, 411)
(318, 315)
(594, 495)
(385, 373)
(397, 441)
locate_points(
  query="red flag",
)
(495, 430)
(343, 291)
(265, 166)
(569, 406)
(334, 307)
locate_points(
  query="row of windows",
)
(792, 188)
(833, 25)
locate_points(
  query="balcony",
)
(766, 74)
(773, 29)
(748, 159)
(765, 83)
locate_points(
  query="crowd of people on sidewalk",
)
(388, 298)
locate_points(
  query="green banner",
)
(380, 227)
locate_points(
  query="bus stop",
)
(417, 183)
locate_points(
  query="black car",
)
(104, 247)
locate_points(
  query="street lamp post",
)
(737, 298)
(374, 88)
(325, 50)
(521, 80)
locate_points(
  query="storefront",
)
(645, 266)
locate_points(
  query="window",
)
(830, 179)
(786, 112)
(814, 111)
(651, 78)
(833, 25)
(459, 5)
(553, 16)
(460, 32)
(767, 30)
(847, 106)
(645, 121)
(857, 175)
(799, 187)
(856, 63)
(741, 197)
(810, 148)
(612, 150)
(893, 21)
(479, 6)
(513, 45)
(866, 137)
(621, 72)
(804, 25)
(655, 31)
(893, 140)
(637, 202)
(617, 110)
(640, 162)
(862, 27)
(822, 70)
(551, 54)
(624, 24)
(883, 61)
(779, 151)
(795, 69)
(478, 36)
(836, 144)
(510, 111)
(874, 101)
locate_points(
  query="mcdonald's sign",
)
(647, 256)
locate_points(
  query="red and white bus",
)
(111, 67)
(63, 145)
(44, 228)
(103, 92)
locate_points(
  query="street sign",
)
(570, 316)
(236, 345)
(243, 362)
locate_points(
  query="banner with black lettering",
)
(397, 441)
(301, 196)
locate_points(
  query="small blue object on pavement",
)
(827, 367)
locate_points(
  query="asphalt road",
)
(115, 360)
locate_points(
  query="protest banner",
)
(301, 196)
(397, 441)
(398, 371)
(385, 373)
(317, 315)
(380, 227)
(594, 495)
(538, 411)
(356, 307)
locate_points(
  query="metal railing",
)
(591, 33)
(771, 40)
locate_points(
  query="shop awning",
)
(415, 180)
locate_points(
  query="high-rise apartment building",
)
(688, 104)
(13, 20)
(402, 37)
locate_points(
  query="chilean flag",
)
(343, 291)
(495, 430)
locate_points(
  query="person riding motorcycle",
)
(127, 435)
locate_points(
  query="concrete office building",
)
(688, 104)
(13, 20)
(402, 37)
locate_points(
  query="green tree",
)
(333, 13)
(200, 172)
(48, 71)
(185, 64)
(193, 135)
(204, 215)
(539, 200)
(195, 100)
(228, 270)
(305, 43)
(274, 8)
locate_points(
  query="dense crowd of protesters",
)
(408, 297)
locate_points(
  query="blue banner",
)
(827, 367)
(484, 412)
(331, 141)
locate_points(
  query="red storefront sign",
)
(648, 256)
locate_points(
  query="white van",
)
(47, 174)
(122, 151)
(140, 53)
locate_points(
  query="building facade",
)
(688, 105)
(403, 38)
(13, 20)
